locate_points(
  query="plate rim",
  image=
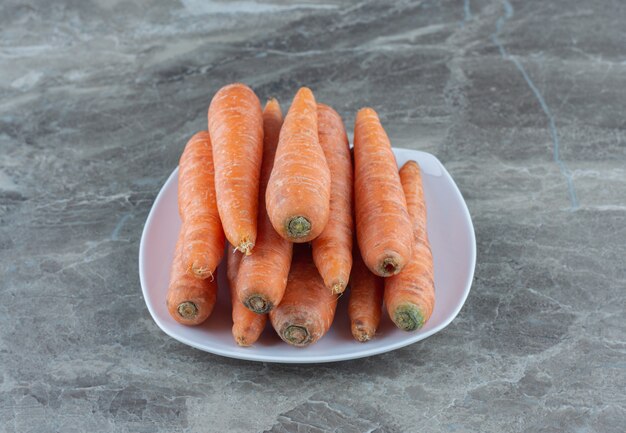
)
(320, 358)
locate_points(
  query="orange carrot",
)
(233, 261)
(410, 295)
(298, 193)
(189, 300)
(236, 127)
(203, 241)
(247, 326)
(263, 275)
(308, 307)
(382, 222)
(332, 249)
(366, 300)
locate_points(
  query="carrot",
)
(236, 127)
(298, 193)
(189, 300)
(247, 326)
(382, 222)
(203, 237)
(332, 249)
(263, 275)
(410, 295)
(233, 261)
(308, 308)
(366, 300)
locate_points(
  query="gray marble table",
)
(524, 102)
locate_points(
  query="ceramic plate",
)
(454, 251)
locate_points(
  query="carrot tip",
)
(258, 304)
(296, 335)
(361, 335)
(298, 227)
(245, 247)
(338, 288)
(408, 317)
(201, 272)
(360, 332)
(187, 310)
(389, 267)
(241, 341)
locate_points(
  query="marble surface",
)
(524, 103)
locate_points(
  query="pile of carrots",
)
(305, 219)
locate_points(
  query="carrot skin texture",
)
(332, 249)
(247, 326)
(410, 295)
(382, 221)
(298, 192)
(236, 128)
(308, 308)
(263, 275)
(366, 300)
(203, 238)
(189, 300)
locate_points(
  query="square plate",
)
(453, 245)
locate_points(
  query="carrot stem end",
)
(298, 227)
(187, 310)
(258, 304)
(389, 267)
(296, 335)
(408, 318)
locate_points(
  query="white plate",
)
(454, 250)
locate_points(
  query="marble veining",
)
(523, 101)
(508, 14)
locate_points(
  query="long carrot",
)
(298, 193)
(366, 300)
(308, 307)
(332, 249)
(189, 300)
(247, 326)
(382, 221)
(410, 295)
(203, 239)
(263, 275)
(236, 127)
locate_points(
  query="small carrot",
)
(298, 193)
(263, 275)
(203, 241)
(366, 300)
(308, 307)
(410, 295)
(332, 249)
(382, 222)
(236, 128)
(189, 300)
(247, 326)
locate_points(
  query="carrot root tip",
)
(298, 227)
(241, 341)
(389, 267)
(338, 288)
(408, 318)
(245, 247)
(201, 272)
(258, 304)
(187, 310)
(361, 333)
(296, 335)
